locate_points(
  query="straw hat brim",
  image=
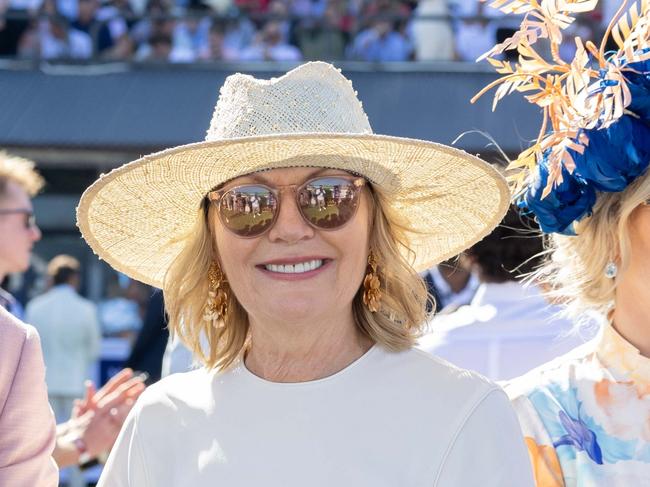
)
(135, 217)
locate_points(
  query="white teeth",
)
(295, 268)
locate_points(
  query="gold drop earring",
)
(371, 285)
(216, 305)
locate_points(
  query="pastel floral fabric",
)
(586, 416)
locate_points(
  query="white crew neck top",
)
(388, 419)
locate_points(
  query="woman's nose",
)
(290, 226)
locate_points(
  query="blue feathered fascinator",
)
(595, 134)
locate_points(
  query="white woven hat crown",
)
(314, 98)
(137, 216)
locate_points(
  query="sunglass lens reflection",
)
(328, 202)
(248, 211)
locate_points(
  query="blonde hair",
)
(574, 270)
(396, 326)
(20, 171)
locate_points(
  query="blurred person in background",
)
(27, 432)
(119, 314)
(12, 29)
(159, 45)
(149, 347)
(29, 46)
(239, 34)
(217, 49)
(221, 8)
(451, 284)
(433, 39)
(252, 7)
(368, 10)
(123, 50)
(70, 334)
(118, 15)
(191, 36)
(380, 43)
(141, 29)
(503, 26)
(472, 36)
(155, 21)
(278, 11)
(159, 49)
(55, 37)
(70, 337)
(19, 182)
(308, 8)
(68, 8)
(58, 40)
(323, 38)
(102, 32)
(508, 328)
(269, 46)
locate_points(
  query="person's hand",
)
(122, 387)
(98, 418)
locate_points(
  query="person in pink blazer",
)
(27, 428)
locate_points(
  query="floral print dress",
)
(586, 416)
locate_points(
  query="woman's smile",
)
(294, 268)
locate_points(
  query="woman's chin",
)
(296, 309)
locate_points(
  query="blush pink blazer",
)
(27, 428)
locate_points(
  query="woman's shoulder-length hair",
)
(574, 269)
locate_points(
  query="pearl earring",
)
(611, 270)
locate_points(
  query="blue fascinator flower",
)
(638, 81)
(612, 157)
(567, 203)
(616, 155)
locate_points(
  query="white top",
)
(388, 419)
(70, 337)
(177, 357)
(506, 330)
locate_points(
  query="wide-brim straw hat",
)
(135, 217)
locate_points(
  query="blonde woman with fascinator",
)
(586, 416)
(309, 313)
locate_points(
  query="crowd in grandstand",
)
(259, 30)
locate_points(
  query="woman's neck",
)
(304, 352)
(631, 316)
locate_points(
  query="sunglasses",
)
(30, 219)
(325, 203)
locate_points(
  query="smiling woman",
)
(318, 271)
(288, 244)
